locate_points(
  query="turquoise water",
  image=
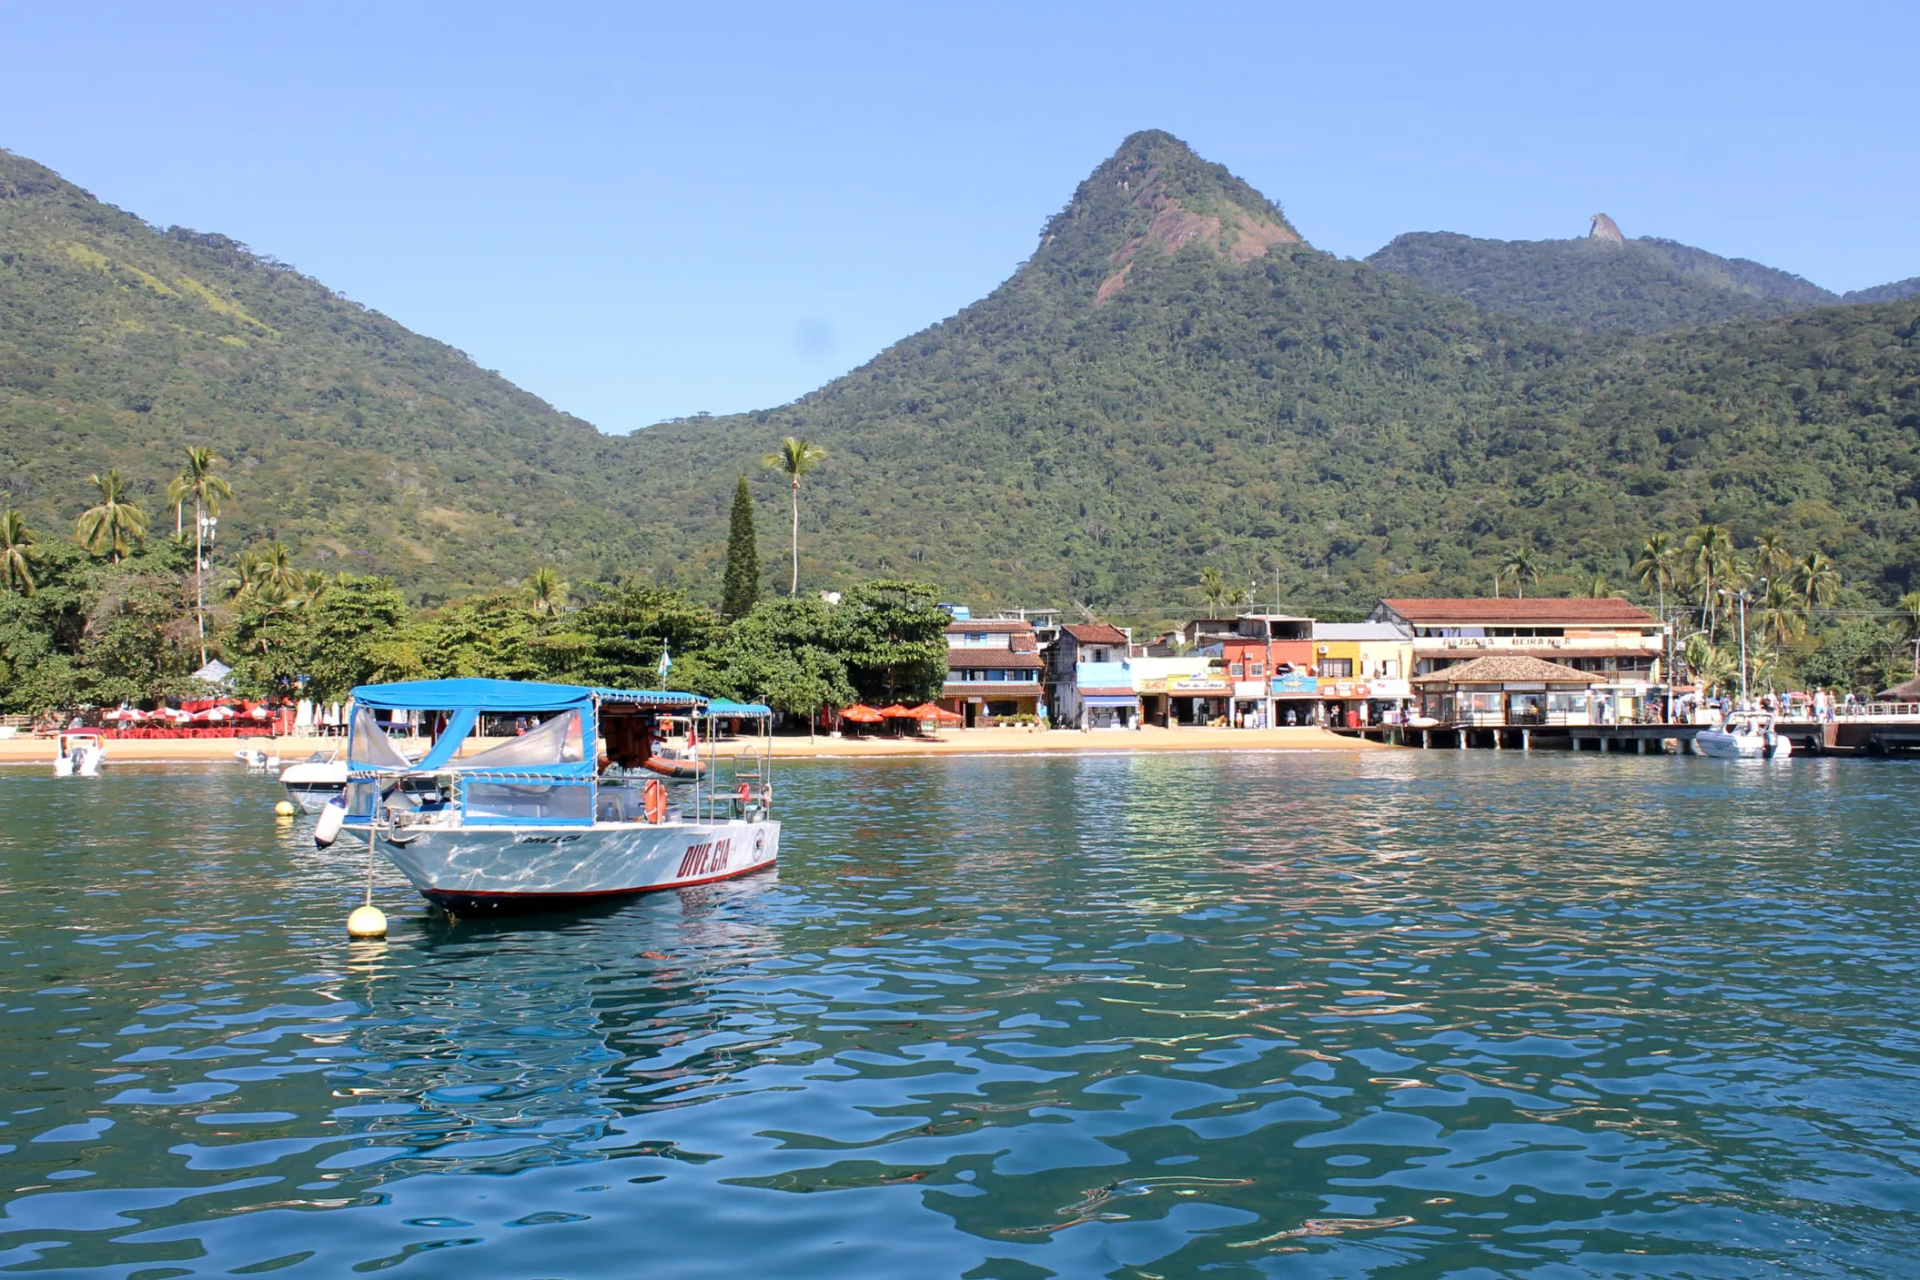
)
(1388, 1015)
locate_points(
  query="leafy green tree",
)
(626, 628)
(784, 652)
(795, 458)
(345, 625)
(893, 637)
(16, 553)
(485, 636)
(115, 525)
(741, 587)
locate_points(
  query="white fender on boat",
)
(333, 815)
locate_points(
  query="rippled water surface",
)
(1388, 1015)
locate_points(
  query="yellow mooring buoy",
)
(367, 922)
(286, 809)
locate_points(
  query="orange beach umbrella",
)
(861, 713)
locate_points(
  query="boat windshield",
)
(370, 744)
(560, 740)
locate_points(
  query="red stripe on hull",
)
(460, 902)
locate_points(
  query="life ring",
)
(745, 796)
(674, 768)
(656, 801)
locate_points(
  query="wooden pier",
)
(1879, 731)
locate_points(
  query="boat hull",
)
(1720, 745)
(486, 871)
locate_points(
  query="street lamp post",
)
(209, 530)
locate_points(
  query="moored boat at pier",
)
(1745, 735)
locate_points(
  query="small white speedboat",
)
(256, 760)
(1746, 735)
(82, 752)
(314, 781)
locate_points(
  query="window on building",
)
(1390, 669)
(1336, 668)
(1236, 670)
(1256, 669)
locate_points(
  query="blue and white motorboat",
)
(562, 812)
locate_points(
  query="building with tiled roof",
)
(994, 670)
(1089, 682)
(1616, 640)
(1511, 691)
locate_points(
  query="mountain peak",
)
(1155, 196)
(1605, 229)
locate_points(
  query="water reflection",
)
(1391, 1014)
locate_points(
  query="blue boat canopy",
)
(721, 708)
(504, 697)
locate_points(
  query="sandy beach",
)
(954, 742)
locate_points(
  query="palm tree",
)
(1520, 566)
(1214, 588)
(1708, 550)
(1781, 618)
(207, 492)
(793, 459)
(16, 549)
(1910, 602)
(1817, 581)
(246, 579)
(277, 573)
(546, 593)
(1598, 588)
(1656, 568)
(1770, 554)
(115, 526)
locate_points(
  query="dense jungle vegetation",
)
(1172, 383)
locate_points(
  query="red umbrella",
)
(126, 715)
(861, 713)
(898, 712)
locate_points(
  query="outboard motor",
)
(333, 815)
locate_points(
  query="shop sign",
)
(1249, 689)
(1191, 685)
(1295, 685)
(1157, 684)
(1392, 689)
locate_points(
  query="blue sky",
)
(638, 212)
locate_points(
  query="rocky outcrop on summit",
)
(1601, 281)
(1153, 197)
(1606, 230)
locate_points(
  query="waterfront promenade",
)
(954, 742)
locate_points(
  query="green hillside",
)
(1899, 289)
(1074, 439)
(1595, 283)
(365, 445)
(1173, 381)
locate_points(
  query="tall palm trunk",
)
(794, 589)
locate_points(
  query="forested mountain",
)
(364, 445)
(1159, 390)
(1909, 288)
(1173, 381)
(1603, 281)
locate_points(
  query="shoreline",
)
(956, 742)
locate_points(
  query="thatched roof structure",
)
(1511, 670)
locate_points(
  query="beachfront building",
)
(1362, 670)
(1619, 643)
(1089, 679)
(993, 670)
(1517, 692)
(1259, 655)
(1154, 671)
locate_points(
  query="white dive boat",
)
(256, 760)
(1746, 735)
(82, 752)
(537, 822)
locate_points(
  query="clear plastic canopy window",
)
(560, 740)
